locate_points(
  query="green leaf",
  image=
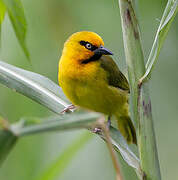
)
(127, 154)
(7, 141)
(44, 91)
(57, 167)
(34, 86)
(122, 147)
(167, 18)
(2, 13)
(16, 14)
(77, 120)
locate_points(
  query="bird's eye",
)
(88, 46)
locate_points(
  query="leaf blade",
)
(7, 141)
(77, 120)
(34, 86)
(2, 13)
(123, 149)
(56, 123)
(167, 18)
(17, 17)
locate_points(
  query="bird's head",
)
(85, 47)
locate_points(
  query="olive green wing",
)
(114, 75)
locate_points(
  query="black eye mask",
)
(98, 51)
(88, 45)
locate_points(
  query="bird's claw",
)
(68, 109)
(97, 130)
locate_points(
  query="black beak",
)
(102, 51)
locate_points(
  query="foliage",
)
(48, 94)
(16, 14)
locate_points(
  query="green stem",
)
(133, 50)
(146, 138)
(141, 104)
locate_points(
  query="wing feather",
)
(114, 75)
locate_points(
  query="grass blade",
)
(57, 167)
(118, 140)
(78, 120)
(7, 141)
(55, 123)
(16, 14)
(34, 86)
(122, 147)
(167, 18)
(2, 13)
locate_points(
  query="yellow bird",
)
(91, 79)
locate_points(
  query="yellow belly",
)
(96, 96)
(88, 88)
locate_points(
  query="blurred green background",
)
(50, 22)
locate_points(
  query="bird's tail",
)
(127, 129)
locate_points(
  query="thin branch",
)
(101, 123)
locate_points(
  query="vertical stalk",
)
(133, 50)
(146, 138)
(141, 104)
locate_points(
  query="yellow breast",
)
(86, 86)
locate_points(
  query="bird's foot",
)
(69, 108)
(97, 130)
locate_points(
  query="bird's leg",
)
(109, 122)
(99, 130)
(68, 108)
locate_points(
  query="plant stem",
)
(133, 50)
(146, 138)
(103, 126)
(141, 104)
